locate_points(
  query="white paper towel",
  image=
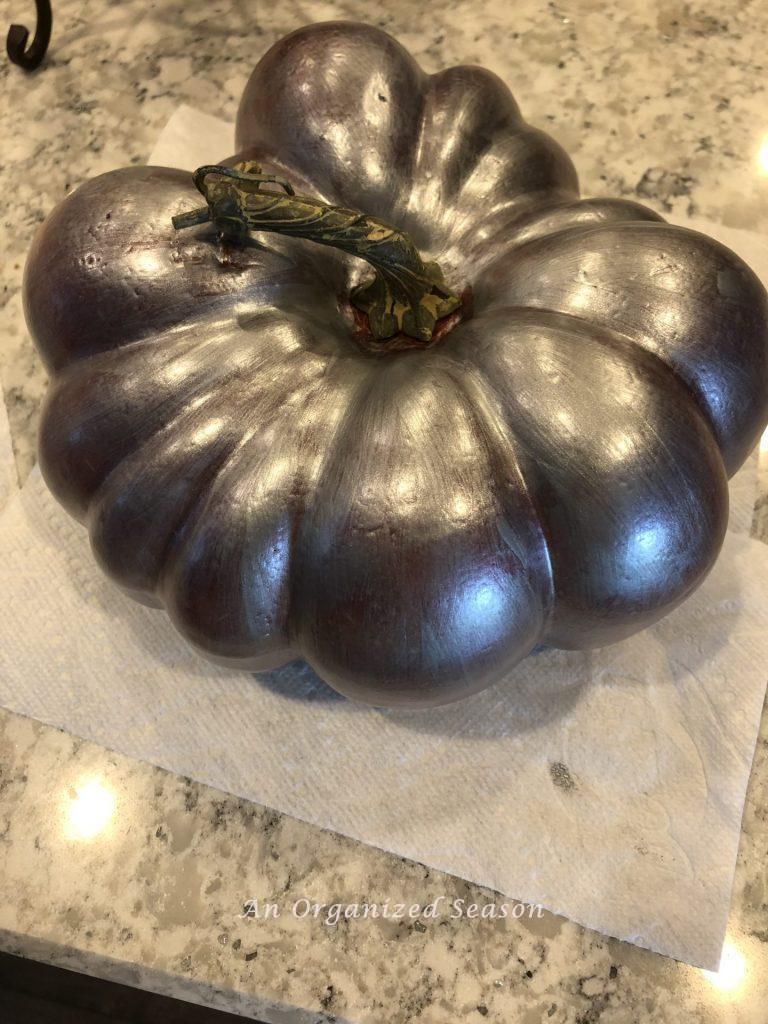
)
(607, 786)
(8, 478)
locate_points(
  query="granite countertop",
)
(121, 870)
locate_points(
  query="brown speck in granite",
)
(561, 776)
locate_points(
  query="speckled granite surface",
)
(118, 869)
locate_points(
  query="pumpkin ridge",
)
(612, 337)
(169, 434)
(434, 107)
(78, 374)
(365, 385)
(241, 467)
(673, 291)
(393, 575)
(596, 212)
(477, 386)
(293, 106)
(634, 523)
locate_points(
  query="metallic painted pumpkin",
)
(411, 520)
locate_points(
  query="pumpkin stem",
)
(406, 294)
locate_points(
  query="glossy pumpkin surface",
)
(412, 521)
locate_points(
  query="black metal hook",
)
(16, 42)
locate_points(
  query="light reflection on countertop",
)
(762, 158)
(732, 975)
(119, 869)
(89, 809)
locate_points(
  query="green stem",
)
(406, 294)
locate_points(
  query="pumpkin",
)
(518, 433)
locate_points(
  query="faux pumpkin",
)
(411, 501)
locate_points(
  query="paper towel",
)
(8, 478)
(607, 786)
